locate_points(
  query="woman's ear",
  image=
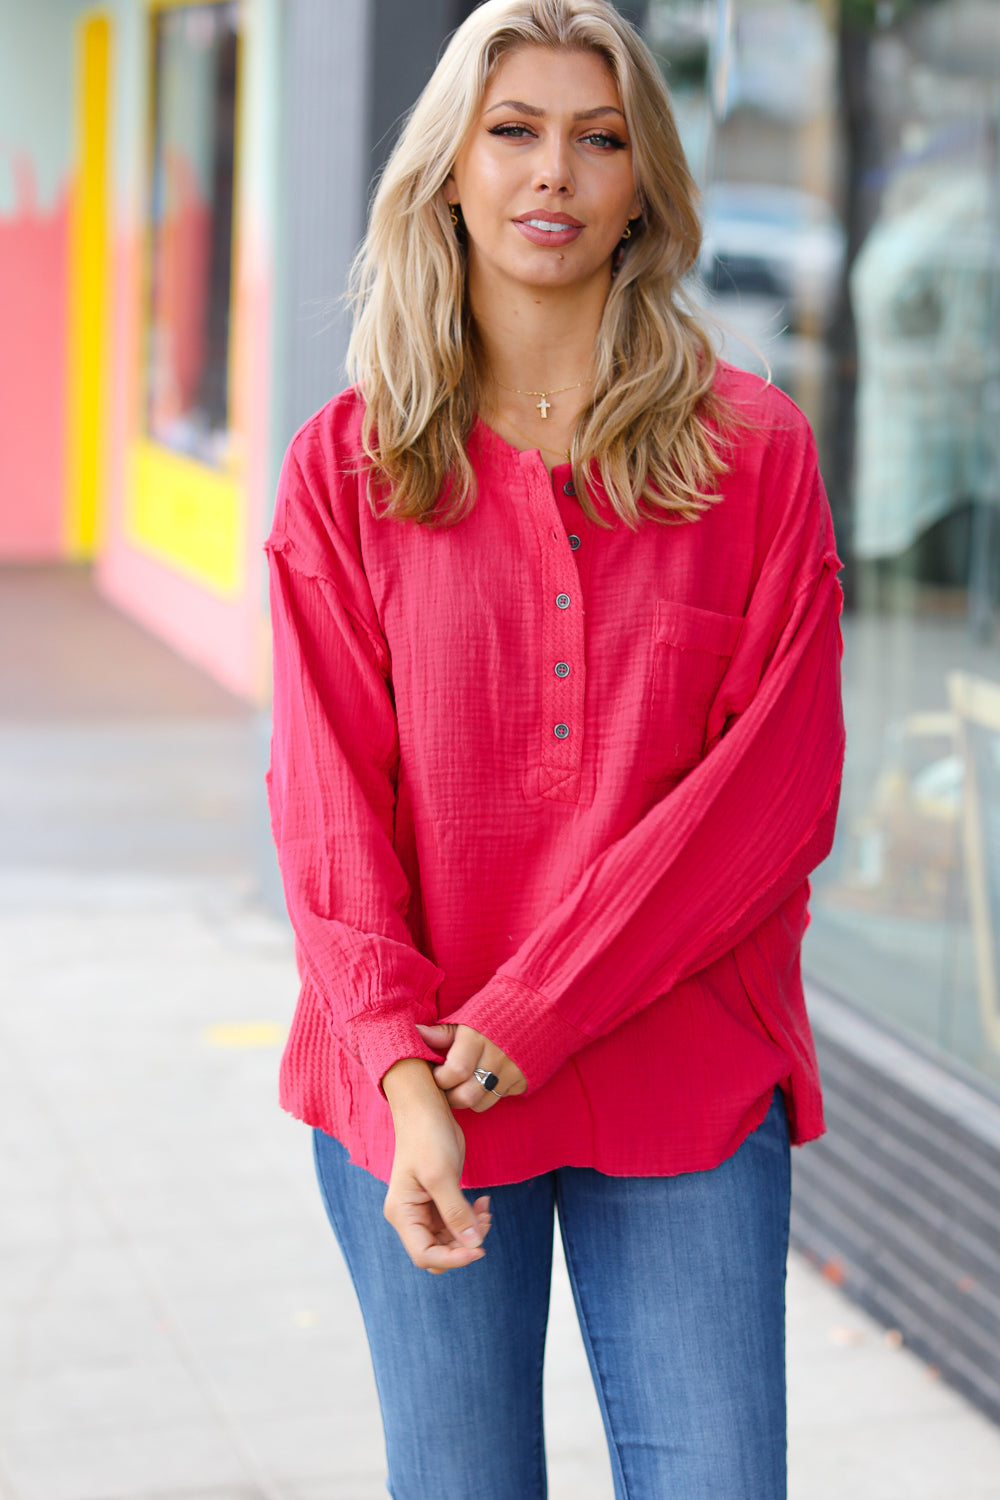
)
(450, 189)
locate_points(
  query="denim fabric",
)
(679, 1287)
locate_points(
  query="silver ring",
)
(488, 1080)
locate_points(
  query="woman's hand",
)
(439, 1229)
(466, 1051)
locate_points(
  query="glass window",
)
(848, 156)
(191, 228)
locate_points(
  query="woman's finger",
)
(455, 1211)
(428, 1255)
(439, 1036)
(427, 1239)
(454, 1257)
(463, 1057)
(473, 1095)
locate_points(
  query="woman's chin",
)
(554, 270)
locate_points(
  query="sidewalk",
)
(175, 1322)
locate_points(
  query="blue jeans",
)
(679, 1285)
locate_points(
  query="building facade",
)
(182, 186)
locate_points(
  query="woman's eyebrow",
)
(533, 109)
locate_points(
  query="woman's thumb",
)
(456, 1211)
(439, 1036)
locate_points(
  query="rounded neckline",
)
(491, 432)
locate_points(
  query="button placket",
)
(563, 663)
(562, 730)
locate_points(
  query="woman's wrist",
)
(409, 1081)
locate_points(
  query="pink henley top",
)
(562, 783)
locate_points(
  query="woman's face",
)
(545, 178)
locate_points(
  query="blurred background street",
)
(175, 1320)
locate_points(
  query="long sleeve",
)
(726, 846)
(331, 789)
(563, 781)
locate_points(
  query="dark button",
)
(561, 731)
(574, 541)
(569, 488)
(562, 601)
(562, 668)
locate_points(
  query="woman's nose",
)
(552, 170)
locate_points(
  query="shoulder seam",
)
(280, 542)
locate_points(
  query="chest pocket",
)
(691, 651)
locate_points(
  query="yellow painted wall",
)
(88, 290)
(188, 515)
(179, 510)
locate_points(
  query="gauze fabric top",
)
(560, 782)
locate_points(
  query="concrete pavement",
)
(175, 1321)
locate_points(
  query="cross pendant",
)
(543, 406)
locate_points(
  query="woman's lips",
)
(532, 230)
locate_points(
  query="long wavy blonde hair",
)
(652, 426)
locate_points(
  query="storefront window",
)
(191, 228)
(848, 154)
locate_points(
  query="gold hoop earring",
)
(627, 235)
(454, 215)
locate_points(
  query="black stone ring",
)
(489, 1081)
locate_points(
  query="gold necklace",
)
(545, 403)
(563, 452)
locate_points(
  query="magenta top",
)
(563, 783)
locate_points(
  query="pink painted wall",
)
(36, 164)
(33, 276)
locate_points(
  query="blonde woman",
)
(557, 741)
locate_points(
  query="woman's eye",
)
(608, 141)
(603, 139)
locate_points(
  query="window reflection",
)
(754, 83)
(848, 157)
(191, 203)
